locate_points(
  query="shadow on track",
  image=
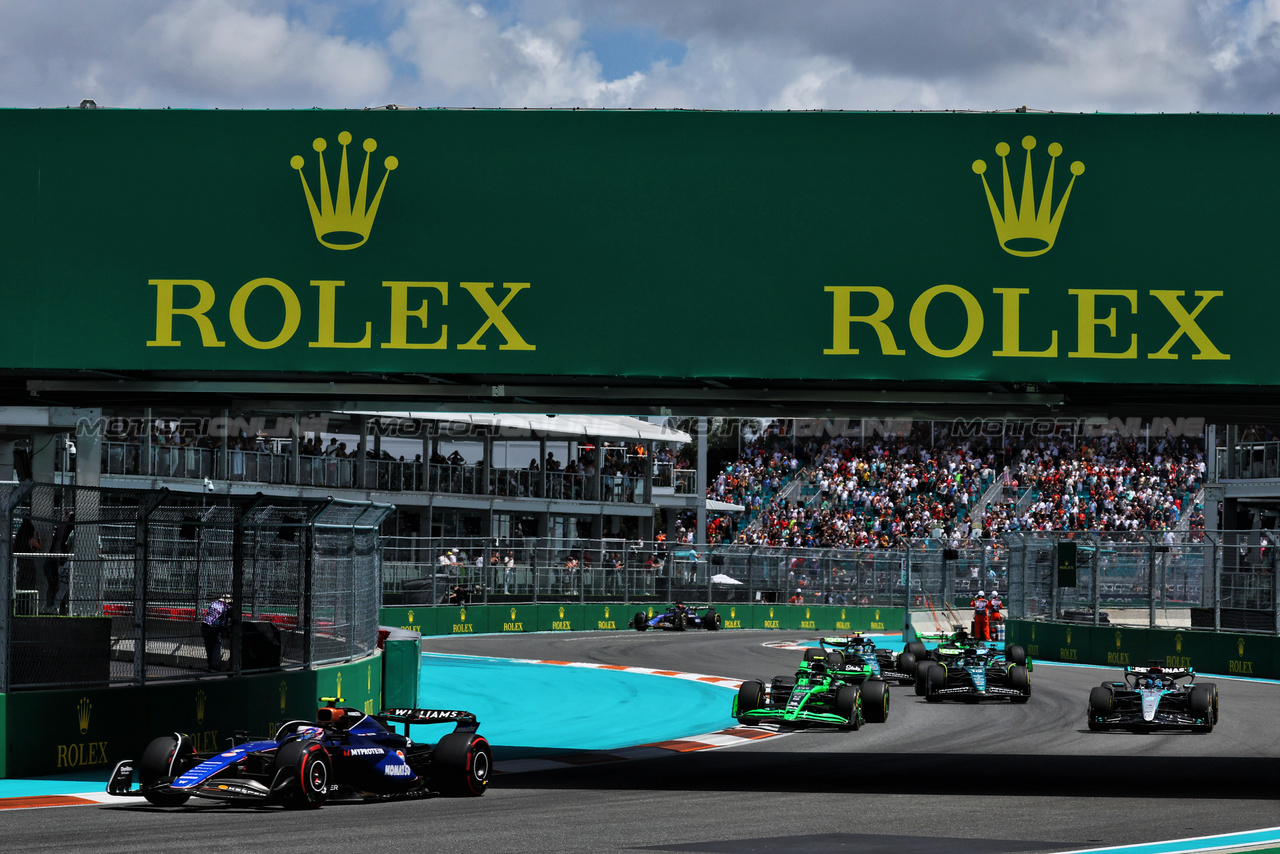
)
(921, 774)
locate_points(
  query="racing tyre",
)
(640, 621)
(165, 758)
(847, 705)
(1200, 702)
(906, 664)
(750, 698)
(306, 769)
(461, 765)
(711, 620)
(935, 678)
(917, 649)
(1020, 678)
(678, 622)
(1016, 654)
(922, 678)
(1213, 688)
(814, 653)
(875, 701)
(1100, 701)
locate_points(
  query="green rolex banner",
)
(1063, 248)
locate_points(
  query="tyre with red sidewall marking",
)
(461, 765)
(308, 770)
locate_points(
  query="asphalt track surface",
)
(934, 778)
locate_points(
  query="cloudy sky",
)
(1066, 55)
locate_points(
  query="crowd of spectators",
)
(891, 490)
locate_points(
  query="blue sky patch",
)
(621, 52)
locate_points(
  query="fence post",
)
(906, 595)
(237, 580)
(1095, 578)
(308, 567)
(141, 577)
(1151, 585)
(1217, 585)
(8, 501)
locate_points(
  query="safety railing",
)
(331, 471)
(1198, 580)
(137, 569)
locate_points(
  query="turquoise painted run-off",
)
(531, 709)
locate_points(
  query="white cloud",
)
(1085, 55)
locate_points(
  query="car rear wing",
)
(1171, 672)
(466, 721)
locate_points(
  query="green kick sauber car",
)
(820, 695)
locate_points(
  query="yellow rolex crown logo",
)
(1177, 642)
(806, 613)
(513, 613)
(200, 707)
(411, 617)
(606, 612)
(1239, 647)
(733, 613)
(1068, 635)
(1024, 230)
(842, 613)
(877, 614)
(338, 690)
(284, 694)
(462, 614)
(341, 223)
(562, 612)
(1117, 640)
(83, 708)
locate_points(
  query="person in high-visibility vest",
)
(994, 617)
(980, 604)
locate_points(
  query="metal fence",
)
(137, 568)
(1212, 580)
(1215, 580)
(245, 466)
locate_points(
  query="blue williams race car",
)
(1150, 698)
(346, 754)
(677, 618)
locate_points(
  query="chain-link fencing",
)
(1214, 580)
(112, 587)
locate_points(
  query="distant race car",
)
(346, 754)
(1152, 698)
(677, 618)
(819, 694)
(961, 668)
(883, 664)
